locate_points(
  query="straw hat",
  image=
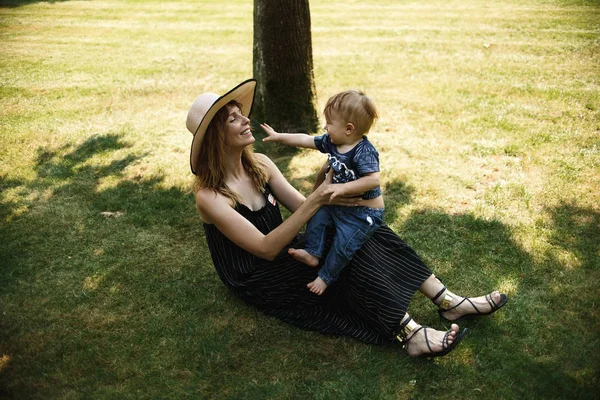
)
(205, 107)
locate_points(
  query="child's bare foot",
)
(304, 257)
(317, 286)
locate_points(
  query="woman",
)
(237, 192)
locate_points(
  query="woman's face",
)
(237, 128)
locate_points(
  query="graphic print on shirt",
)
(341, 173)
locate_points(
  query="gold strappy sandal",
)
(444, 306)
(410, 326)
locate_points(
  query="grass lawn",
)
(489, 139)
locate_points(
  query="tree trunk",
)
(283, 66)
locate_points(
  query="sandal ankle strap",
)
(406, 328)
(434, 298)
(446, 301)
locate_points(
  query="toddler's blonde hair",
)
(355, 107)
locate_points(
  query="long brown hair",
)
(211, 172)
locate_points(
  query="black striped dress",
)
(367, 302)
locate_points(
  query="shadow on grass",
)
(534, 335)
(576, 230)
(20, 3)
(61, 164)
(92, 263)
(67, 194)
(396, 194)
(97, 306)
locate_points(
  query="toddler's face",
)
(336, 128)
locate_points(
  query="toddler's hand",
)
(334, 191)
(272, 135)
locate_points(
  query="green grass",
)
(490, 149)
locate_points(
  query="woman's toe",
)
(497, 296)
(452, 334)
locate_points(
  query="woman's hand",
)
(327, 189)
(346, 201)
(327, 194)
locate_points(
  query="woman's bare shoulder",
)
(267, 162)
(264, 158)
(207, 200)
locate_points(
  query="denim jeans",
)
(353, 227)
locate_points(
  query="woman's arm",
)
(218, 210)
(320, 175)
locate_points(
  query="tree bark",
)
(283, 66)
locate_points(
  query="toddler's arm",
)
(354, 188)
(289, 139)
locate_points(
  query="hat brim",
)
(243, 94)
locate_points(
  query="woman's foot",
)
(420, 341)
(453, 307)
(317, 286)
(304, 257)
